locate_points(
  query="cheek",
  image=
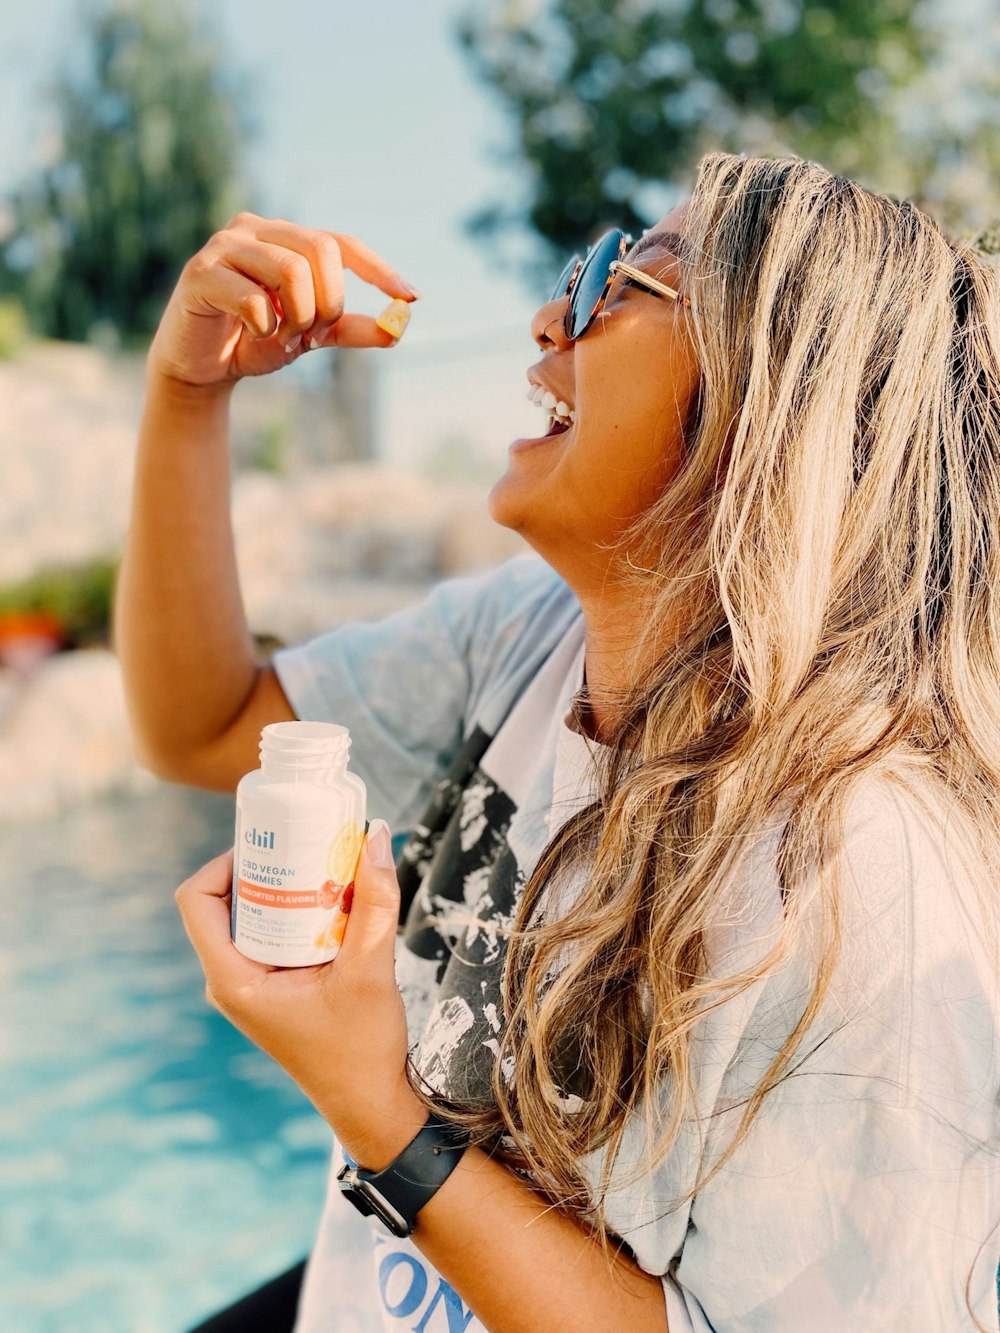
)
(632, 414)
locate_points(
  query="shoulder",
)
(898, 846)
(902, 889)
(524, 584)
(479, 603)
(914, 975)
(524, 611)
(913, 864)
(911, 1006)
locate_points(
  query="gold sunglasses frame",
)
(616, 266)
(644, 280)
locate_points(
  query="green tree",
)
(611, 101)
(151, 136)
(943, 149)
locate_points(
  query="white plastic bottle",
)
(300, 822)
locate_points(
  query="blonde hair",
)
(829, 551)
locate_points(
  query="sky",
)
(369, 123)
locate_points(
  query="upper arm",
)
(219, 764)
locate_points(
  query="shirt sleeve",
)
(867, 1191)
(406, 686)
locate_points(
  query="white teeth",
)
(556, 408)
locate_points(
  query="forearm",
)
(527, 1268)
(180, 629)
(521, 1265)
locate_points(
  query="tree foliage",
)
(612, 100)
(147, 167)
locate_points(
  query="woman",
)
(699, 908)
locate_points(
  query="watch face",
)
(369, 1201)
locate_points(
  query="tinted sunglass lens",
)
(590, 283)
(562, 282)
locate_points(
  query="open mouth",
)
(555, 428)
(561, 415)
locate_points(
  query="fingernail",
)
(291, 346)
(316, 340)
(378, 845)
(412, 290)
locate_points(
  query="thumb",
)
(374, 916)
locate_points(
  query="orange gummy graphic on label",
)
(333, 933)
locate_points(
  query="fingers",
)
(213, 880)
(355, 331)
(303, 292)
(204, 905)
(372, 267)
(221, 289)
(309, 264)
(300, 270)
(370, 937)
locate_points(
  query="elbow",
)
(209, 767)
(169, 763)
(189, 771)
(185, 765)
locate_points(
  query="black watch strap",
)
(397, 1193)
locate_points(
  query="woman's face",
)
(630, 379)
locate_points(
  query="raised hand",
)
(261, 292)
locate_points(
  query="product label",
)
(293, 884)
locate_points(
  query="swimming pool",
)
(153, 1164)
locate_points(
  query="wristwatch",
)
(397, 1193)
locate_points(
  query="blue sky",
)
(369, 123)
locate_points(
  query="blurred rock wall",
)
(317, 542)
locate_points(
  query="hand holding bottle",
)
(339, 1029)
(261, 292)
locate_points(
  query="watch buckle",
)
(370, 1202)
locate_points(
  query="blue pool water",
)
(153, 1164)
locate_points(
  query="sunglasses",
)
(587, 281)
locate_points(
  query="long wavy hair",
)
(820, 588)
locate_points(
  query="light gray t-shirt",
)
(868, 1190)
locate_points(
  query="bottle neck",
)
(321, 770)
(315, 752)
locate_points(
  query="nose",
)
(547, 326)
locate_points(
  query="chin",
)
(511, 506)
(515, 503)
(503, 505)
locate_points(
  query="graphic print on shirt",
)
(422, 844)
(414, 1297)
(463, 882)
